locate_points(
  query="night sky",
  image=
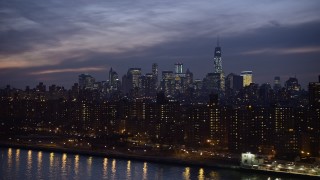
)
(54, 41)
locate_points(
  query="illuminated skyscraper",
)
(114, 82)
(167, 82)
(247, 78)
(217, 59)
(133, 75)
(178, 68)
(130, 81)
(292, 84)
(218, 75)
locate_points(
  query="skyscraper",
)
(86, 81)
(130, 81)
(167, 82)
(133, 75)
(277, 83)
(178, 68)
(218, 75)
(217, 59)
(247, 78)
(234, 82)
(155, 74)
(292, 84)
(149, 85)
(113, 80)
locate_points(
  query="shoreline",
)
(119, 155)
(215, 164)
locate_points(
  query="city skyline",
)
(276, 81)
(55, 41)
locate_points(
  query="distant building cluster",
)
(225, 113)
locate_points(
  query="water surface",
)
(31, 164)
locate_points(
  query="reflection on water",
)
(64, 162)
(39, 166)
(201, 174)
(129, 169)
(214, 175)
(113, 169)
(105, 168)
(76, 165)
(186, 173)
(17, 160)
(145, 170)
(51, 161)
(28, 164)
(9, 158)
(89, 166)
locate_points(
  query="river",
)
(31, 164)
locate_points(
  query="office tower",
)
(168, 82)
(149, 86)
(113, 77)
(178, 68)
(292, 84)
(155, 74)
(114, 82)
(277, 83)
(214, 82)
(233, 82)
(217, 59)
(180, 78)
(86, 81)
(247, 78)
(131, 81)
(217, 78)
(133, 76)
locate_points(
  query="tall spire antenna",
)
(218, 40)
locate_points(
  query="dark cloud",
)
(279, 38)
